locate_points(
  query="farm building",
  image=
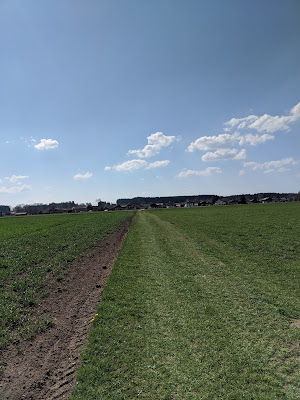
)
(220, 203)
(189, 203)
(266, 200)
(79, 208)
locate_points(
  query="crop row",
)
(34, 249)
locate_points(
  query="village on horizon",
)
(137, 203)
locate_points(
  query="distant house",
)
(189, 203)
(118, 207)
(157, 205)
(171, 204)
(266, 200)
(79, 209)
(220, 203)
(203, 203)
(58, 211)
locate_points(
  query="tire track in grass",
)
(256, 332)
(176, 324)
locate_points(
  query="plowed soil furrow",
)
(44, 367)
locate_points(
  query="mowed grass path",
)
(199, 306)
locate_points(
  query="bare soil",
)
(296, 323)
(44, 367)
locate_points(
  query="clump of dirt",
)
(296, 323)
(182, 238)
(44, 367)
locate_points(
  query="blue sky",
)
(110, 99)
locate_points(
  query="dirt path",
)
(44, 368)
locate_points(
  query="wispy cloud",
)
(266, 122)
(130, 165)
(224, 154)
(158, 164)
(240, 123)
(16, 178)
(206, 172)
(133, 165)
(227, 140)
(87, 175)
(271, 166)
(47, 144)
(155, 142)
(15, 189)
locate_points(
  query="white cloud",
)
(158, 164)
(253, 140)
(47, 144)
(241, 122)
(87, 175)
(227, 140)
(16, 178)
(213, 142)
(206, 172)
(16, 189)
(283, 169)
(155, 142)
(133, 165)
(224, 154)
(266, 122)
(31, 141)
(130, 165)
(277, 170)
(242, 172)
(271, 166)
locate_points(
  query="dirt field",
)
(44, 367)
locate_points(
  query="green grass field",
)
(200, 305)
(34, 249)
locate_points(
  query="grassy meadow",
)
(35, 249)
(201, 304)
